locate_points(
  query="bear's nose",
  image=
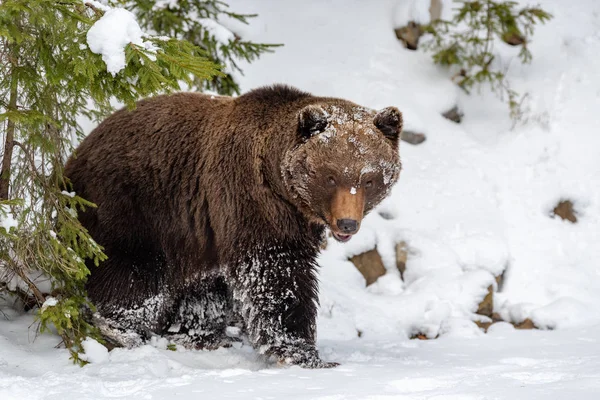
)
(348, 226)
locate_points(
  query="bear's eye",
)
(369, 184)
(331, 181)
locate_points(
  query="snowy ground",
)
(473, 200)
(504, 364)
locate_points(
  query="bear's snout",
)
(347, 209)
(347, 226)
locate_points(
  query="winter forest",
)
(462, 262)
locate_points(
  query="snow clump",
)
(111, 34)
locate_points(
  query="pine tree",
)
(49, 78)
(467, 42)
(200, 23)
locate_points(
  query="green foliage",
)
(172, 347)
(467, 42)
(66, 317)
(49, 77)
(197, 21)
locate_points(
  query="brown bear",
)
(211, 210)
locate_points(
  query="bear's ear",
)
(389, 122)
(312, 120)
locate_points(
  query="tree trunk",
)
(10, 128)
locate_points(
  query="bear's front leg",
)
(277, 294)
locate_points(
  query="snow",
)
(49, 302)
(477, 196)
(412, 10)
(218, 31)
(69, 194)
(572, 313)
(473, 202)
(161, 4)
(100, 5)
(109, 36)
(94, 352)
(7, 220)
(504, 364)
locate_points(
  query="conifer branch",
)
(467, 43)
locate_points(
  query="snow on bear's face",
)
(345, 163)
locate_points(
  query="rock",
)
(419, 336)
(527, 324)
(484, 325)
(401, 257)
(409, 35)
(496, 317)
(454, 114)
(386, 215)
(413, 137)
(565, 210)
(500, 279)
(486, 307)
(370, 265)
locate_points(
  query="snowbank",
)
(476, 197)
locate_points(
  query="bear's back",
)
(155, 122)
(145, 141)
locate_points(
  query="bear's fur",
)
(211, 210)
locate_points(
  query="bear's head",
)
(344, 163)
